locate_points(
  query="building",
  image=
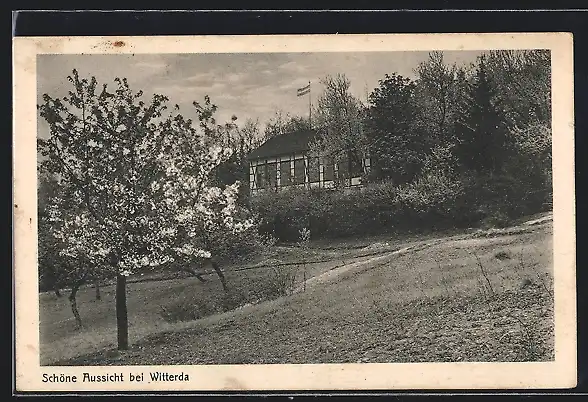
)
(284, 161)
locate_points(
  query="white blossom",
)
(150, 221)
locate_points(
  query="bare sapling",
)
(304, 240)
(484, 274)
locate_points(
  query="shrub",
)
(283, 214)
(429, 202)
(186, 310)
(531, 168)
(444, 195)
(280, 282)
(499, 198)
(231, 247)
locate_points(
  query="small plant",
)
(490, 288)
(443, 281)
(380, 310)
(421, 282)
(502, 255)
(185, 310)
(304, 236)
(281, 283)
(482, 289)
(303, 241)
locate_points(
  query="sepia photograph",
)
(269, 206)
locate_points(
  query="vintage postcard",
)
(305, 212)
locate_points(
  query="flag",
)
(303, 90)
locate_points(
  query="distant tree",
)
(396, 142)
(250, 136)
(437, 95)
(338, 120)
(238, 143)
(282, 123)
(483, 142)
(134, 184)
(521, 81)
(205, 112)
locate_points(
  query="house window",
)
(343, 166)
(285, 178)
(329, 172)
(356, 168)
(251, 176)
(271, 174)
(260, 173)
(299, 171)
(313, 170)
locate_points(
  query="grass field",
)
(478, 296)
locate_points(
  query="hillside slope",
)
(483, 296)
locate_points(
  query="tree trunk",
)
(220, 274)
(97, 287)
(57, 291)
(74, 305)
(122, 323)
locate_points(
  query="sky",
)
(247, 85)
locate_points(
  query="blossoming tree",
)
(134, 184)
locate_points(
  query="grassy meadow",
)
(475, 296)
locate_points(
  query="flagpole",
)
(309, 107)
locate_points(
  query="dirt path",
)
(374, 262)
(355, 267)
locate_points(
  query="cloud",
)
(243, 86)
(293, 85)
(236, 77)
(153, 65)
(176, 88)
(181, 88)
(227, 96)
(292, 66)
(207, 76)
(216, 85)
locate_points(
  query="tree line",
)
(477, 114)
(472, 117)
(483, 128)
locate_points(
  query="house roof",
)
(286, 144)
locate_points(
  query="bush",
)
(432, 201)
(500, 198)
(435, 201)
(229, 247)
(280, 282)
(532, 167)
(194, 307)
(283, 213)
(186, 310)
